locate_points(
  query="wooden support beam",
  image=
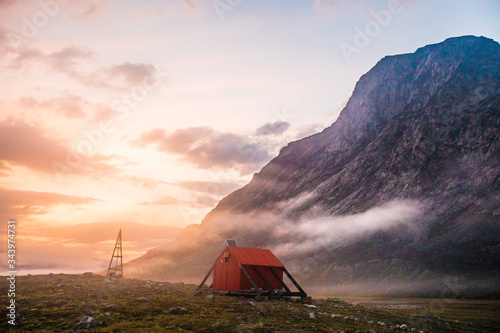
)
(206, 277)
(262, 278)
(294, 282)
(243, 269)
(280, 280)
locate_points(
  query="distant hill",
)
(400, 195)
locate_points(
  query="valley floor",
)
(61, 302)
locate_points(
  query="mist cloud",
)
(311, 235)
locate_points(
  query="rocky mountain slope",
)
(401, 193)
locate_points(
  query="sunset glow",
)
(143, 115)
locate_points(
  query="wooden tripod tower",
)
(116, 269)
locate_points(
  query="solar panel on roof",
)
(231, 242)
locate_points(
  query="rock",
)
(369, 322)
(262, 313)
(413, 329)
(87, 322)
(211, 296)
(404, 327)
(333, 299)
(144, 299)
(178, 310)
(312, 306)
(107, 314)
(312, 315)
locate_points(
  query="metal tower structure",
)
(116, 269)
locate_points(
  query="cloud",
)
(275, 128)
(89, 11)
(144, 182)
(70, 106)
(311, 235)
(60, 248)
(24, 145)
(67, 61)
(308, 130)
(202, 201)
(164, 201)
(206, 148)
(198, 201)
(190, 6)
(10, 42)
(64, 60)
(102, 113)
(86, 232)
(17, 203)
(217, 188)
(5, 3)
(25, 57)
(156, 12)
(325, 5)
(132, 73)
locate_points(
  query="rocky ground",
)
(59, 302)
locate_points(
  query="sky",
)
(144, 114)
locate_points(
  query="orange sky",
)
(151, 112)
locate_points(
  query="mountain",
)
(400, 195)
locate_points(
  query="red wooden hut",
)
(250, 271)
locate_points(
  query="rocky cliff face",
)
(422, 129)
